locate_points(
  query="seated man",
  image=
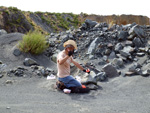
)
(64, 59)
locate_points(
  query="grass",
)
(33, 42)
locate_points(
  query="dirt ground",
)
(35, 95)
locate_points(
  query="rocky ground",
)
(118, 57)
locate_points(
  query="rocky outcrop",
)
(15, 20)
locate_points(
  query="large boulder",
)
(137, 31)
(110, 70)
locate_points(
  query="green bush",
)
(33, 42)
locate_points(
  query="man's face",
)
(70, 49)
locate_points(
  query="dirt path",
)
(35, 95)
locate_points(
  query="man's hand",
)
(70, 53)
(86, 70)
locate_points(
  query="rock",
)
(8, 107)
(17, 52)
(9, 82)
(112, 55)
(101, 62)
(54, 56)
(91, 57)
(101, 76)
(83, 26)
(105, 29)
(1, 75)
(146, 67)
(142, 60)
(93, 45)
(93, 86)
(140, 54)
(1, 62)
(110, 70)
(146, 73)
(128, 43)
(118, 62)
(89, 79)
(142, 49)
(90, 23)
(137, 42)
(138, 31)
(105, 58)
(29, 62)
(2, 32)
(107, 52)
(129, 73)
(131, 37)
(118, 47)
(122, 35)
(126, 51)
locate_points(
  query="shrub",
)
(33, 42)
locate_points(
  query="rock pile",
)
(113, 50)
(109, 51)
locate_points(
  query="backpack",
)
(60, 85)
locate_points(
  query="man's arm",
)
(77, 65)
(62, 60)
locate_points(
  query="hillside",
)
(15, 20)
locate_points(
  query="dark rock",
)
(17, 52)
(101, 62)
(29, 62)
(110, 70)
(118, 62)
(93, 86)
(137, 42)
(101, 76)
(118, 47)
(138, 31)
(90, 23)
(122, 35)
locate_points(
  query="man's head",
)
(70, 45)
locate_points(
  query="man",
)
(64, 59)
